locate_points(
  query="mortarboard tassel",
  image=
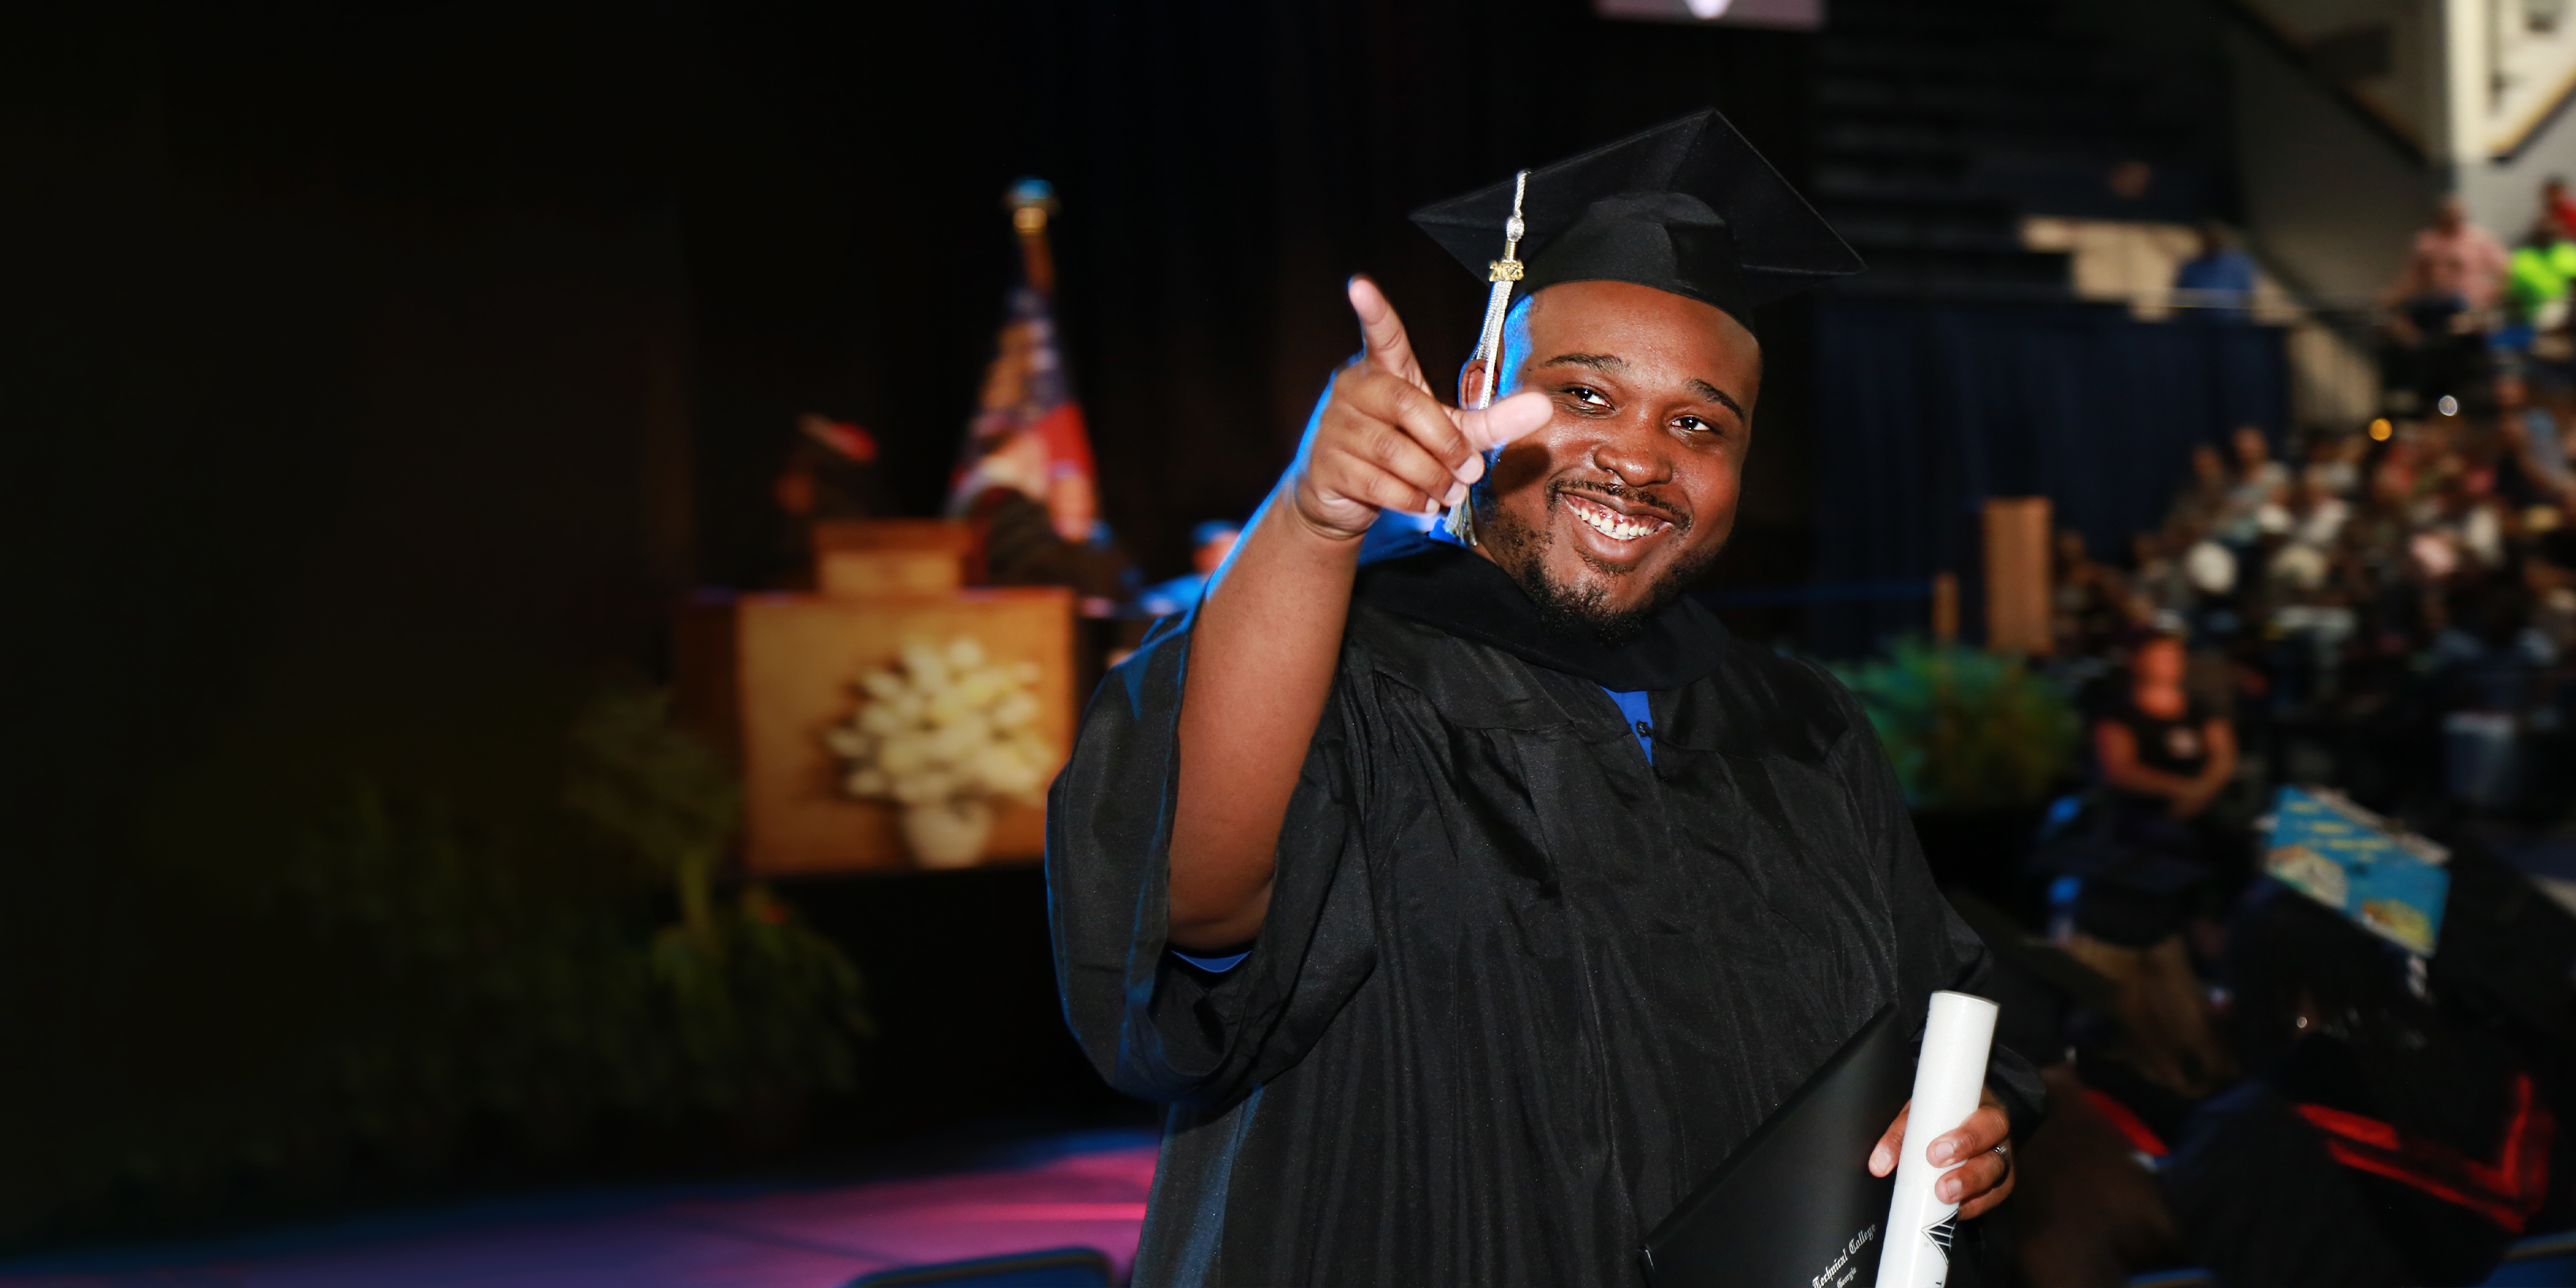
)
(1461, 520)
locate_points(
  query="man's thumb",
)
(1509, 419)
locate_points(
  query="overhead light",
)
(2449, 406)
(1792, 15)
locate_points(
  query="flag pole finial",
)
(1032, 203)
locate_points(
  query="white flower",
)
(980, 687)
(922, 664)
(948, 723)
(999, 764)
(945, 706)
(903, 753)
(958, 739)
(1015, 709)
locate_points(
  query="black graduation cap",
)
(1687, 207)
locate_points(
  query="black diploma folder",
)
(1795, 1205)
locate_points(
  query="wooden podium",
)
(765, 675)
(890, 556)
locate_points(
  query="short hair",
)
(2140, 636)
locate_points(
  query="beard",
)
(1521, 550)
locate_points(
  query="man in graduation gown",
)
(1469, 905)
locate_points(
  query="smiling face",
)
(1622, 500)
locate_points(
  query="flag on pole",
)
(1027, 435)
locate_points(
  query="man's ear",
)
(1471, 381)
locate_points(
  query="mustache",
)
(1638, 499)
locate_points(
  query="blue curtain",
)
(1926, 409)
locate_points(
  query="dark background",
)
(1222, 168)
(374, 381)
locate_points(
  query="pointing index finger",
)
(1388, 346)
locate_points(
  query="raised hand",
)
(1380, 439)
(1269, 632)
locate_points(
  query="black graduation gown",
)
(1518, 990)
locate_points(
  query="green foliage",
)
(529, 979)
(640, 779)
(755, 998)
(1967, 729)
(472, 972)
(775, 1005)
(661, 792)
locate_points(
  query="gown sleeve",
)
(1935, 948)
(1154, 1026)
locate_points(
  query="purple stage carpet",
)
(1086, 1190)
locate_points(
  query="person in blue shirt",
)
(2217, 283)
(1210, 543)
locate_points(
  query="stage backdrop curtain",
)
(1928, 408)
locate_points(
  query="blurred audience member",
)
(2536, 280)
(2440, 307)
(2549, 574)
(2090, 604)
(2455, 267)
(2337, 460)
(2144, 859)
(2533, 444)
(2257, 482)
(830, 473)
(2316, 507)
(1210, 543)
(2158, 589)
(2555, 201)
(2217, 282)
(2203, 497)
(2159, 748)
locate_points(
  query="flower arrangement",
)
(944, 733)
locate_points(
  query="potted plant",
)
(944, 734)
(1979, 740)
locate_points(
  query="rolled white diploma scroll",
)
(1948, 1078)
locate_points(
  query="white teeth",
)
(1612, 524)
